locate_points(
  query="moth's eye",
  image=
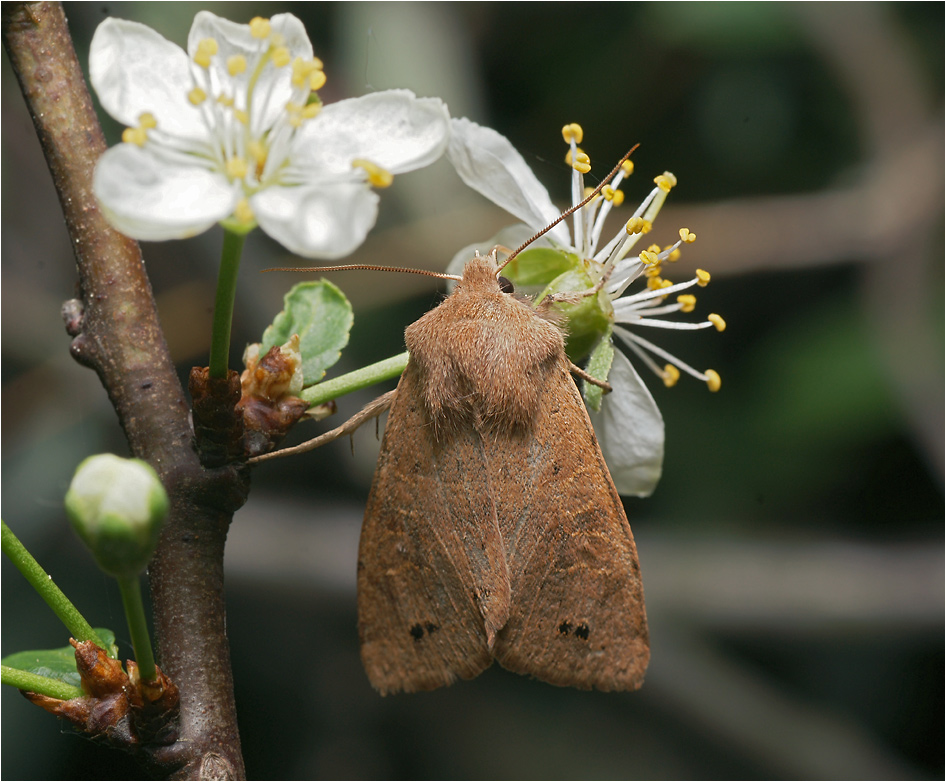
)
(506, 286)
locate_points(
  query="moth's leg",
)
(369, 411)
(576, 370)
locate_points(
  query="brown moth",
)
(493, 530)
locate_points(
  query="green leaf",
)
(321, 315)
(58, 664)
(599, 367)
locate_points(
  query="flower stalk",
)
(138, 626)
(44, 685)
(223, 304)
(46, 588)
(367, 376)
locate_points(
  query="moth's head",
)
(483, 270)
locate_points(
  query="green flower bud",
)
(117, 507)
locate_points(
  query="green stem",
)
(33, 682)
(355, 381)
(42, 582)
(223, 305)
(138, 626)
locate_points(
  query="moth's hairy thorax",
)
(483, 356)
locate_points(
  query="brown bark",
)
(116, 332)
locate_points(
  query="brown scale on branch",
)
(119, 708)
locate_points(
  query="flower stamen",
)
(377, 176)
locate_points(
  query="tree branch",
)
(116, 332)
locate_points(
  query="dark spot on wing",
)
(565, 628)
(582, 631)
(417, 631)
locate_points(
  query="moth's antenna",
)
(369, 267)
(575, 208)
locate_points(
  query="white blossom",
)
(233, 131)
(629, 426)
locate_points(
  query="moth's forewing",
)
(430, 561)
(577, 610)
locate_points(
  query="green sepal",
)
(238, 227)
(599, 367)
(58, 664)
(587, 319)
(539, 266)
(322, 317)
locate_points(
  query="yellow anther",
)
(260, 27)
(665, 182)
(147, 120)
(654, 248)
(236, 64)
(686, 236)
(614, 196)
(648, 226)
(702, 278)
(717, 321)
(627, 167)
(580, 161)
(377, 176)
(648, 258)
(281, 56)
(137, 136)
(241, 116)
(687, 302)
(236, 168)
(305, 73)
(635, 226)
(671, 375)
(243, 212)
(573, 132)
(656, 282)
(653, 271)
(258, 151)
(225, 100)
(713, 381)
(674, 255)
(197, 96)
(317, 64)
(311, 110)
(206, 49)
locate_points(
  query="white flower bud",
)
(117, 507)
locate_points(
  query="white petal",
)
(146, 198)
(392, 129)
(273, 85)
(630, 431)
(133, 70)
(328, 221)
(487, 162)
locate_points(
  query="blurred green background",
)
(792, 554)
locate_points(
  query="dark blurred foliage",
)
(792, 554)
